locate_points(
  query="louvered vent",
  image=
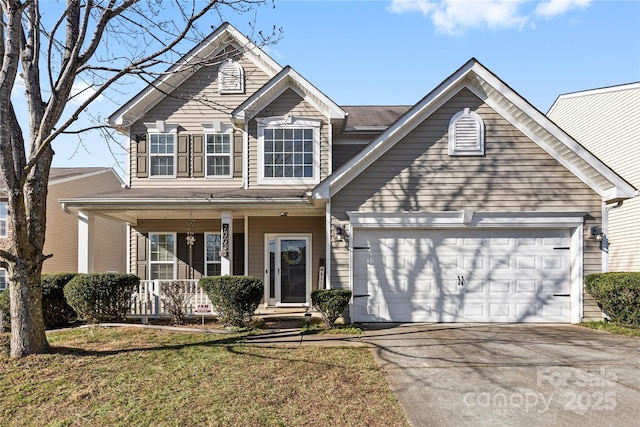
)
(231, 78)
(466, 134)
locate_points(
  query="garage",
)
(461, 275)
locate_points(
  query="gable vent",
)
(231, 77)
(466, 134)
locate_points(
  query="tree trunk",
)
(27, 324)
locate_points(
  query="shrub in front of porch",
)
(176, 296)
(331, 303)
(234, 298)
(101, 297)
(618, 295)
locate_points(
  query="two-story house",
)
(468, 206)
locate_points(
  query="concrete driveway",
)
(507, 374)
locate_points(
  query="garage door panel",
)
(507, 275)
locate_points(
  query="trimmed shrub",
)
(331, 303)
(234, 298)
(5, 314)
(55, 309)
(101, 297)
(617, 294)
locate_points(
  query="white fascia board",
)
(466, 219)
(625, 189)
(394, 133)
(177, 74)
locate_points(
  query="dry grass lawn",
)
(137, 377)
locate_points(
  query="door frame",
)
(274, 300)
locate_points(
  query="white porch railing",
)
(149, 301)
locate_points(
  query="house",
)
(605, 122)
(470, 205)
(61, 237)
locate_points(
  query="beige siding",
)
(606, 122)
(417, 174)
(343, 152)
(195, 102)
(288, 103)
(61, 238)
(259, 226)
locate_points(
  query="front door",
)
(288, 270)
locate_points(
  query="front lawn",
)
(613, 328)
(126, 376)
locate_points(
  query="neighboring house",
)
(470, 205)
(61, 238)
(606, 122)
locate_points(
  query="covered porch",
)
(282, 240)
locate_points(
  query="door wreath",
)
(292, 255)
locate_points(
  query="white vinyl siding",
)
(162, 256)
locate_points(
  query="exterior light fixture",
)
(596, 233)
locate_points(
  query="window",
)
(230, 77)
(162, 260)
(3, 219)
(219, 154)
(289, 151)
(212, 254)
(3, 279)
(466, 134)
(162, 149)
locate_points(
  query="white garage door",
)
(461, 275)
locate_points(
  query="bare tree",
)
(48, 47)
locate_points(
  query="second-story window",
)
(219, 154)
(161, 154)
(289, 151)
(3, 219)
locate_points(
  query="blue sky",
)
(394, 52)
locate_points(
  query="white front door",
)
(287, 270)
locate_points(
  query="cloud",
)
(455, 17)
(81, 91)
(552, 8)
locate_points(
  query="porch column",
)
(86, 222)
(226, 232)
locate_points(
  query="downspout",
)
(245, 156)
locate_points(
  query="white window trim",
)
(239, 88)
(159, 127)
(453, 151)
(216, 128)
(175, 256)
(5, 219)
(289, 122)
(206, 266)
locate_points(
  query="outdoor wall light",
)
(340, 232)
(596, 233)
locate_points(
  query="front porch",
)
(149, 302)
